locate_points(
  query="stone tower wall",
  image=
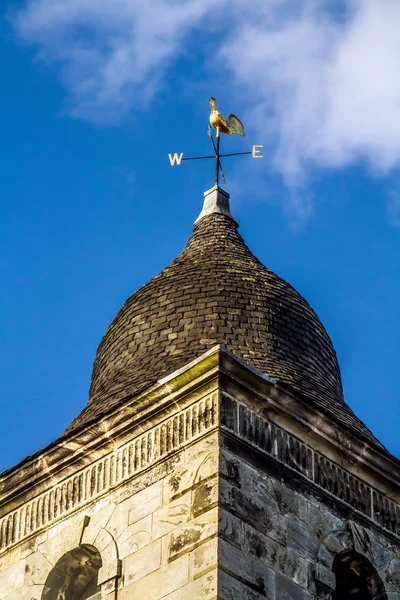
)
(156, 535)
(208, 501)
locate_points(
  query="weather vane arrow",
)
(229, 126)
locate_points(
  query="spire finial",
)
(216, 200)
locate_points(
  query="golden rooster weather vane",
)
(231, 125)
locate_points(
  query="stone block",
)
(110, 569)
(12, 579)
(252, 508)
(286, 589)
(321, 522)
(247, 568)
(204, 558)
(23, 550)
(97, 521)
(101, 539)
(231, 468)
(325, 576)
(143, 503)
(12, 556)
(230, 527)
(300, 538)
(71, 527)
(274, 555)
(160, 583)
(205, 496)
(101, 512)
(168, 517)
(141, 563)
(135, 537)
(108, 590)
(191, 534)
(204, 588)
(230, 588)
(199, 462)
(62, 540)
(37, 568)
(28, 592)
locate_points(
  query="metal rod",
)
(215, 150)
(217, 159)
(214, 155)
(234, 154)
(213, 143)
(198, 157)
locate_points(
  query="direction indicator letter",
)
(256, 151)
(175, 158)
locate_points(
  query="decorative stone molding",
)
(104, 474)
(291, 451)
(154, 445)
(360, 539)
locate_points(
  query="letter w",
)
(175, 159)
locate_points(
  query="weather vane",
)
(230, 126)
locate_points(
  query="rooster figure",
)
(230, 125)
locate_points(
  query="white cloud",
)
(112, 53)
(320, 81)
(326, 87)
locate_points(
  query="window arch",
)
(356, 578)
(75, 576)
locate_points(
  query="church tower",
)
(216, 457)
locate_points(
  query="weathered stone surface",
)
(204, 588)
(29, 592)
(160, 583)
(144, 503)
(249, 506)
(12, 579)
(205, 496)
(196, 464)
(301, 538)
(37, 567)
(288, 590)
(210, 507)
(170, 516)
(141, 563)
(204, 558)
(246, 567)
(135, 537)
(230, 527)
(64, 535)
(230, 588)
(184, 538)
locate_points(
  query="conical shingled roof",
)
(217, 292)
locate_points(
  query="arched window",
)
(75, 576)
(356, 578)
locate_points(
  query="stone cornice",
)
(292, 453)
(309, 423)
(97, 439)
(79, 468)
(104, 474)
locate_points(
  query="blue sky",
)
(95, 95)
